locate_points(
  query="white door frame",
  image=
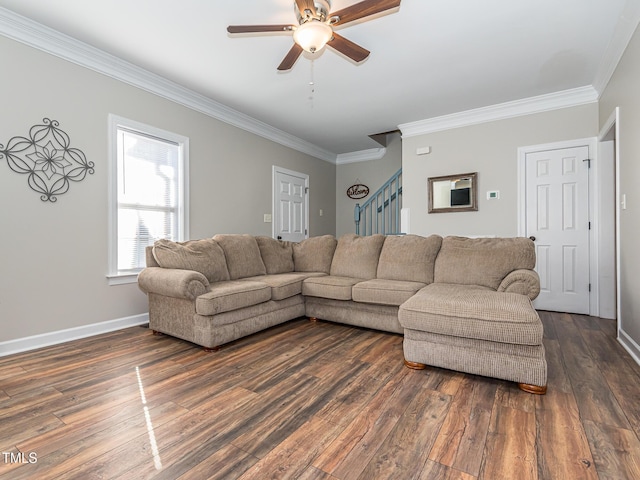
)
(612, 125)
(608, 172)
(594, 210)
(274, 201)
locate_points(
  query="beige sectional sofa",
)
(461, 303)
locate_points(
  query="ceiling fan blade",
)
(291, 58)
(306, 5)
(363, 9)
(258, 28)
(352, 50)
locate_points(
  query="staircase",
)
(381, 213)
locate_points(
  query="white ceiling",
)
(429, 58)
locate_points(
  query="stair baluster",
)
(381, 213)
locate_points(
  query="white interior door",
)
(557, 215)
(290, 205)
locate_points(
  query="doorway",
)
(602, 273)
(290, 205)
(557, 219)
(608, 232)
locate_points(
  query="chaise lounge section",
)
(477, 316)
(461, 303)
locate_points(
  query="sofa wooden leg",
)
(535, 389)
(213, 349)
(414, 365)
(155, 332)
(313, 319)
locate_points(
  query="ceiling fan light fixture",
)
(315, 30)
(312, 35)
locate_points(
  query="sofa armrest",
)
(523, 281)
(173, 282)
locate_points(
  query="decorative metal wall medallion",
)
(48, 160)
(357, 191)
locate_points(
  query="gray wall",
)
(491, 149)
(54, 256)
(373, 173)
(622, 91)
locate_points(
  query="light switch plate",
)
(493, 195)
(267, 218)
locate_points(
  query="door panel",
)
(542, 266)
(290, 204)
(557, 199)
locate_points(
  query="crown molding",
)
(360, 156)
(626, 27)
(51, 41)
(516, 108)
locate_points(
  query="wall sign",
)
(357, 191)
(48, 159)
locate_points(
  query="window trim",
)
(115, 122)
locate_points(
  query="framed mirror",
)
(453, 193)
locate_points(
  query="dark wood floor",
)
(315, 401)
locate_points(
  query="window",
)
(148, 193)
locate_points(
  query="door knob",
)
(532, 238)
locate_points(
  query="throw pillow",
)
(204, 256)
(243, 255)
(277, 255)
(314, 254)
(409, 257)
(357, 256)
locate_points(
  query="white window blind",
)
(149, 193)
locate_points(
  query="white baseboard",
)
(53, 338)
(629, 345)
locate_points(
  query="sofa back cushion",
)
(148, 256)
(357, 256)
(277, 255)
(242, 254)
(482, 261)
(409, 257)
(204, 256)
(314, 254)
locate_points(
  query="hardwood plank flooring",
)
(315, 401)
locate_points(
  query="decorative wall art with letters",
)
(48, 160)
(357, 191)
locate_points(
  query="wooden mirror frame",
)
(473, 197)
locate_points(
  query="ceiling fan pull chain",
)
(312, 84)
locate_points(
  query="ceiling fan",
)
(315, 28)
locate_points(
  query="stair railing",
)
(381, 213)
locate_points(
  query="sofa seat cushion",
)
(472, 312)
(330, 286)
(232, 295)
(385, 292)
(283, 285)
